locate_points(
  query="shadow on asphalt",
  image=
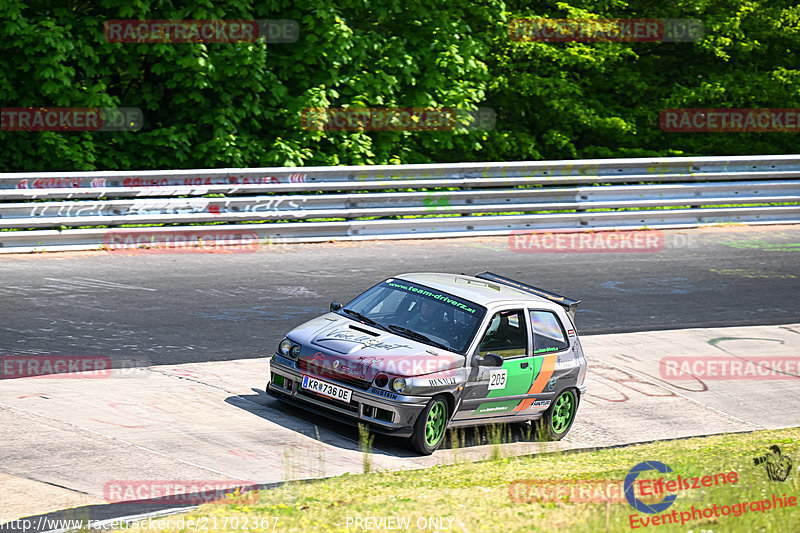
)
(313, 425)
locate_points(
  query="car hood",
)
(340, 345)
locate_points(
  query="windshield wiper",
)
(364, 318)
(417, 336)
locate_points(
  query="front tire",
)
(557, 420)
(430, 426)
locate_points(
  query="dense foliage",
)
(239, 104)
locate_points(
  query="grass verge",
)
(476, 497)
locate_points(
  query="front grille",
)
(327, 373)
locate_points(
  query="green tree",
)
(603, 99)
(239, 104)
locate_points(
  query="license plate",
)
(327, 389)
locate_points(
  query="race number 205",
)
(498, 378)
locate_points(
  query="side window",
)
(506, 335)
(548, 335)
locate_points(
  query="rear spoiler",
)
(570, 305)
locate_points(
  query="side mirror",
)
(335, 306)
(490, 359)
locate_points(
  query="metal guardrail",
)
(286, 204)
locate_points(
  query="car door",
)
(496, 391)
(553, 364)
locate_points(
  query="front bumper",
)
(387, 416)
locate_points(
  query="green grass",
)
(475, 497)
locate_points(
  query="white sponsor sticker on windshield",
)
(498, 378)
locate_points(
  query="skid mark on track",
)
(757, 244)
(99, 284)
(616, 384)
(716, 342)
(653, 286)
(261, 312)
(283, 292)
(644, 378)
(89, 337)
(68, 287)
(751, 273)
(791, 329)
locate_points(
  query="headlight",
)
(285, 346)
(294, 353)
(398, 384)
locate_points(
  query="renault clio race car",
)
(419, 353)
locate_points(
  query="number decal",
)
(498, 378)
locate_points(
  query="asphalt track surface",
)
(147, 308)
(68, 442)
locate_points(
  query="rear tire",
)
(557, 420)
(429, 429)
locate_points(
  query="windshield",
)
(419, 313)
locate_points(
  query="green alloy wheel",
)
(430, 426)
(558, 418)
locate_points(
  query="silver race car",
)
(419, 353)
